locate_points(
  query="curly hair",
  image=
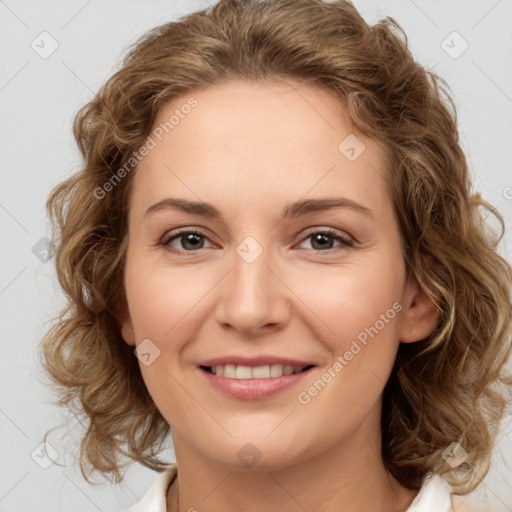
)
(449, 387)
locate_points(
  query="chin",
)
(257, 452)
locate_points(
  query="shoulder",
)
(155, 498)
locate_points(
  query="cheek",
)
(163, 299)
(347, 302)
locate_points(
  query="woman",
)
(275, 216)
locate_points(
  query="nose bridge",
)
(251, 296)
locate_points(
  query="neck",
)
(348, 477)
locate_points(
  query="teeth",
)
(261, 372)
(229, 371)
(242, 372)
(276, 370)
(288, 370)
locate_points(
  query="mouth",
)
(243, 372)
(253, 380)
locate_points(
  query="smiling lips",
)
(253, 378)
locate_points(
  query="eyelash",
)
(344, 242)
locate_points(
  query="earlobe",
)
(126, 325)
(127, 333)
(420, 315)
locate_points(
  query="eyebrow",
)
(295, 209)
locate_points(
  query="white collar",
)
(156, 497)
(434, 494)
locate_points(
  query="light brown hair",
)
(442, 389)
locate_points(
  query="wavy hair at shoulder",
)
(449, 387)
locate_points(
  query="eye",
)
(322, 241)
(190, 240)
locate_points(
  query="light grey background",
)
(38, 100)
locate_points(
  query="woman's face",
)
(294, 275)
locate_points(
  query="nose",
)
(252, 297)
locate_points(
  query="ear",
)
(420, 315)
(126, 325)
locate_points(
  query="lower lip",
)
(253, 389)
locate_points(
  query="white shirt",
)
(434, 495)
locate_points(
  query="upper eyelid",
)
(334, 232)
(180, 231)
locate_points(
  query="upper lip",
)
(255, 361)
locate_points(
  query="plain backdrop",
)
(468, 43)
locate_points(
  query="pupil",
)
(321, 236)
(190, 239)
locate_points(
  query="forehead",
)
(244, 139)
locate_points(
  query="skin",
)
(250, 150)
